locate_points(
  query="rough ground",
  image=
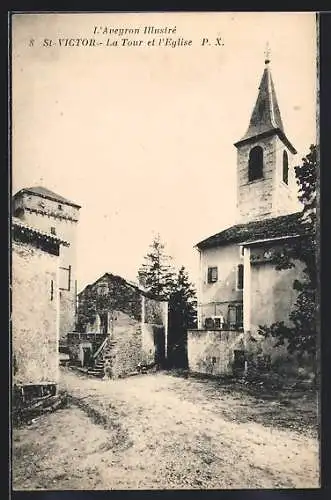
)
(159, 431)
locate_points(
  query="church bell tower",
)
(265, 174)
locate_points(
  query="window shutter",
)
(240, 281)
(212, 274)
(65, 278)
(239, 315)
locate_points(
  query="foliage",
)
(87, 309)
(182, 300)
(156, 275)
(159, 278)
(301, 336)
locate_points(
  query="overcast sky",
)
(143, 138)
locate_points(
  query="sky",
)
(142, 137)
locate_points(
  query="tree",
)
(182, 316)
(183, 300)
(302, 334)
(156, 275)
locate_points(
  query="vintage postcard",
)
(164, 281)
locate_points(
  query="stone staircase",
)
(106, 351)
(98, 368)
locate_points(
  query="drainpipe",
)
(247, 298)
(166, 312)
(199, 290)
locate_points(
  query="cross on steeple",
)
(267, 54)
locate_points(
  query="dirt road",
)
(164, 432)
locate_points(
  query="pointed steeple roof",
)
(266, 118)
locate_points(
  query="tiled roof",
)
(266, 118)
(23, 227)
(46, 193)
(276, 227)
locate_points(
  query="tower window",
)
(53, 230)
(255, 164)
(285, 167)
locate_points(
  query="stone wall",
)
(128, 344)
(35, 315)
(212, 352)
(154, 313)
(124, 348)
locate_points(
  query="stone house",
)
(35, 307)
(52, 213)
(120, 326)
(239, 286)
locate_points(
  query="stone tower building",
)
(52, 213)
(265, 173)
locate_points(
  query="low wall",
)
(212, 351)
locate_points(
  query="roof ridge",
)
(47, 193)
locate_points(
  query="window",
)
(19, 212)
(102, 288)
(52, 290)
(240, 277)
(235, 316)
(241, 250)
(285, 167)
(219, 322)
(212, 274)
(255, 164)
(53, 230)
(65, 278)
(209, 323)
(60, 207)
(239, 315)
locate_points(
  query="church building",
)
(239, 286)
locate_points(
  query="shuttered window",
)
(240, 277)
(212, 274)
